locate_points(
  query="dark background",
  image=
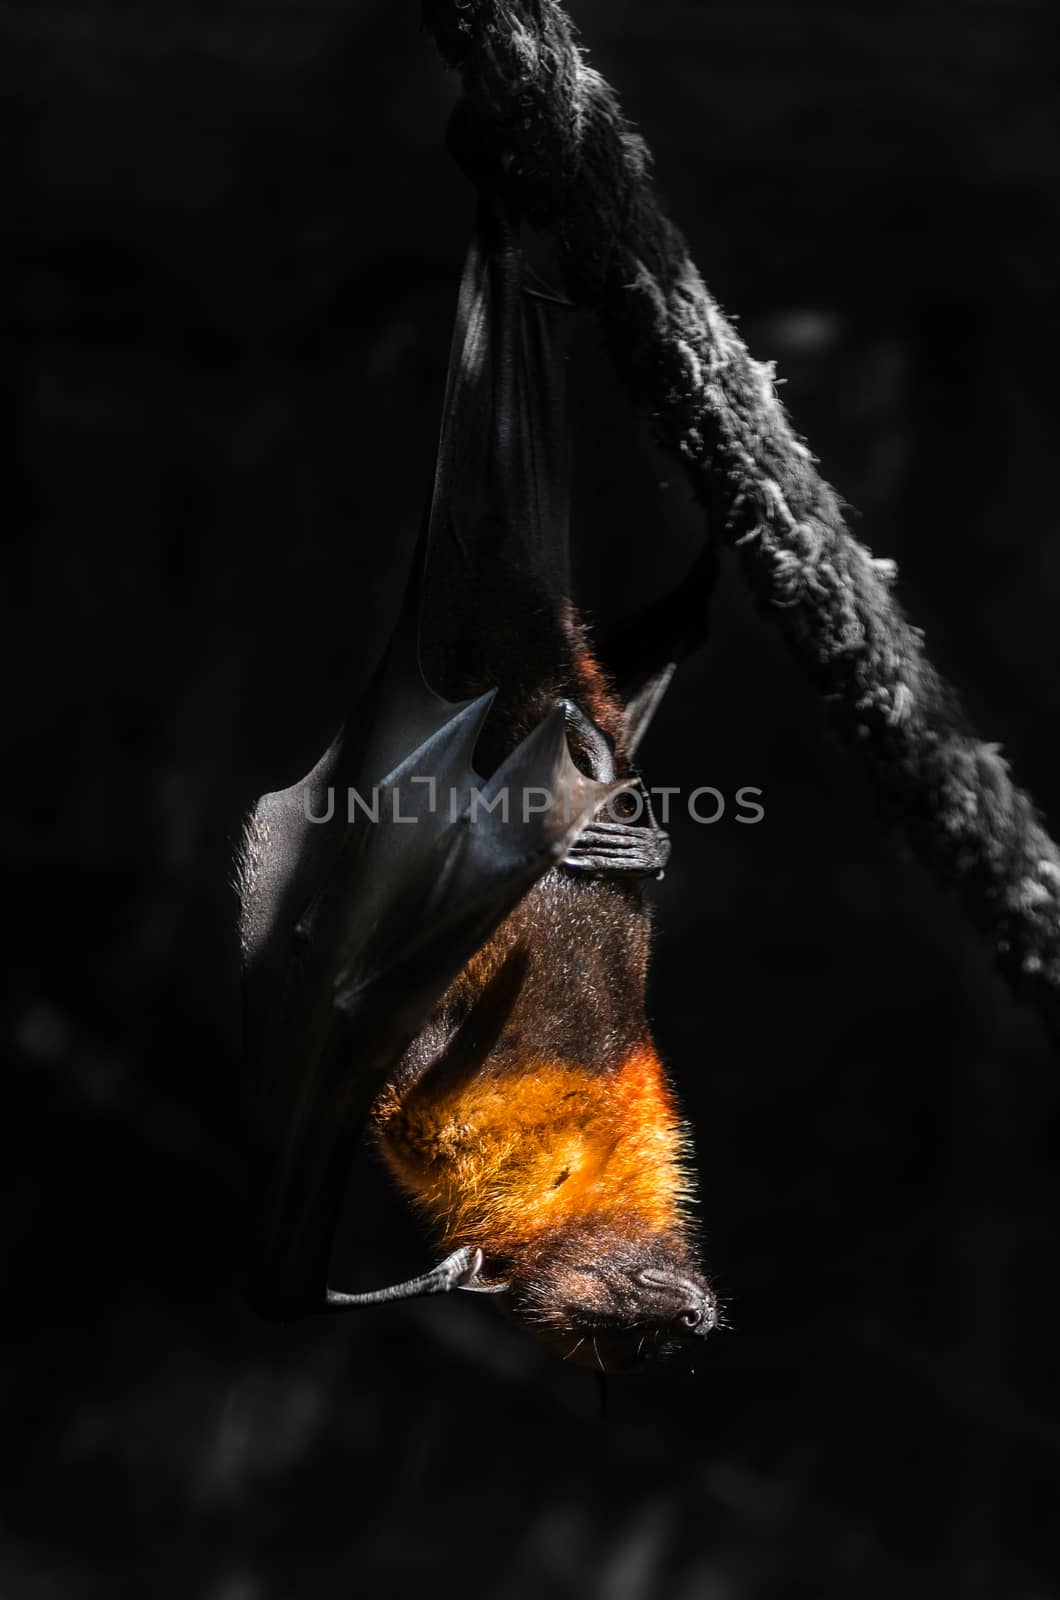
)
(232, 240)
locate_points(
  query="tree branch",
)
(578, 168)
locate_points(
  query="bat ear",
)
(458, 1271)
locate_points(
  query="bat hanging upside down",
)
(460, 960)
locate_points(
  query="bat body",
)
(544, 1132)
(462, 965)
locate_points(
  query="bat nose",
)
(696, 1306)
(698, 1316)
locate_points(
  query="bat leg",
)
(457, 1271)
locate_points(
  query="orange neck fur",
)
(510, 1156)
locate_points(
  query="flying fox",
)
(457, 959)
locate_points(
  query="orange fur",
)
(593, 688)
(511, 1156)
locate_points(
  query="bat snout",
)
(612, 1300)
(688, 1304)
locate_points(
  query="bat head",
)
(609, 1298)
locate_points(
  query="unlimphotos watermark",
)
(630, 805)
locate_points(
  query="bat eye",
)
(625, 806)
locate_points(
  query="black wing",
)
(353, 926)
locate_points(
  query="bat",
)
(444, 925)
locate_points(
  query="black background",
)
(232, 240)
